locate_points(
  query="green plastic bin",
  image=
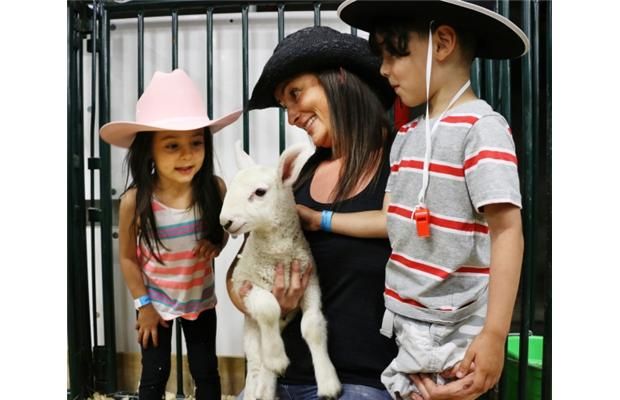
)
(534, 368)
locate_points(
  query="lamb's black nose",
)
(227, 225)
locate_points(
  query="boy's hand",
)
(455, 390)
(205, 250)
(310, 219)
(486, 352)
(146, 325)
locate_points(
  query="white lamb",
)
(260, 200)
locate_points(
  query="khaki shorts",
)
(425, 347)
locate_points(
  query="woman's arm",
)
(288, 298)
(363, 224)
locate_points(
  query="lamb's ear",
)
(243, 159)
(292, 161)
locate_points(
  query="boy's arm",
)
(363, 224)
(482, 365)
(148, 317)
(487, 350)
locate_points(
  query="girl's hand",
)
(205, 250)
(146, 325)
(309, 218)
(289, 298)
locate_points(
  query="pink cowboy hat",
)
(171, 102)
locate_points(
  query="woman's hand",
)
(289, 298)
(309, 218)
(146, 325)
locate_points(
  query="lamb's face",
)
(250, 200)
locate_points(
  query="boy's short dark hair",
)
(395, 36)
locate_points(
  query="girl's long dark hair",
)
(361, 132)
(206, 195)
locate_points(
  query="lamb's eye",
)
(260, 192)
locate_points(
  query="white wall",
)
(227, 93)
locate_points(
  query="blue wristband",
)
(142, 301)
(326, 220)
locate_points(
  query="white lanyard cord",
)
(428, 130)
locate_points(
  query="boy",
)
(453, 218)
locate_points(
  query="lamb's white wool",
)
(260, 200)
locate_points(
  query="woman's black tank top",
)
(351, 274)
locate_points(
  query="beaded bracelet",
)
(326, 220)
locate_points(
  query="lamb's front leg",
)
(314, 331)
(251, 345)
(265, 310)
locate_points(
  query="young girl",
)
(169, 229)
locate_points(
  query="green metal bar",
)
(105, 180)
(210, 62)
(175, 39)
(528, 202)
(476, 77)
(281, 111)
(140, 53)
(353, 31)
(504, 95)
(246, 90)
(317, 13)
(93, 111)
(489, 90)
(78, 327)
(547, 342)
(535, 50)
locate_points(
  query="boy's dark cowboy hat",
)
(316, 49)
(496, 36)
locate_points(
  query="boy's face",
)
(407, 73)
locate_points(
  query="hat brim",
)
(313, 50)
(122, 133)
(496, 36)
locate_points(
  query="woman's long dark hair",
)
(206, 195)
(361, 132)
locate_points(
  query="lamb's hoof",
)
(329, 389)
(265, 391)
(276, 364)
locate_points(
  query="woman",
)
(330, 86)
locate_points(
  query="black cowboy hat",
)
(316, 49)
(496, 36)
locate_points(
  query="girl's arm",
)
(148, 318)
(363, 224)
(222, 186)
(205, 249)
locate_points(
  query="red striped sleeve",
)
(489, 155)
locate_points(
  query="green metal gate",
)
(520, 90)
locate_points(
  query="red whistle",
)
(422, 219)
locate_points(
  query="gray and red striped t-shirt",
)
(444, 277)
